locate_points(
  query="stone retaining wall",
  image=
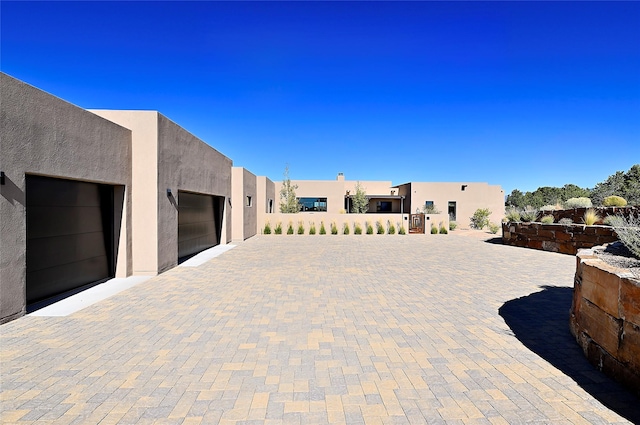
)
(566, 239)
(605, 318)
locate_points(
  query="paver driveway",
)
(316, 329)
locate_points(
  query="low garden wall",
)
(605, 318)
(316, 218)
(564, 238)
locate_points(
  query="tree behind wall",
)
(288, 201)
(359, 201)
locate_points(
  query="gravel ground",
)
(616, 254)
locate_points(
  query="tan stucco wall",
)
(144, 154)
(265, 192)
(475, 195)
(166, 156)
(334, 191)
(328, 218)
(244, 217)
(42, 134)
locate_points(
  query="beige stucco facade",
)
(167, 157)
(464, 197)
(43, 135)
(244, 204)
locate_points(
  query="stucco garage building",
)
(65, 210)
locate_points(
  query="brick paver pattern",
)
(311, 329)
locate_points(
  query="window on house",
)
(313, 204)
(452, 210)
(383, 206)
(249, 201)
(270, 206)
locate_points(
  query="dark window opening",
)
(313, 204)
(383, 206)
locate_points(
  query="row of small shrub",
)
(380, 229)
(589, 218)
(583, 202)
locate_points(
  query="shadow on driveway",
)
(541, 322)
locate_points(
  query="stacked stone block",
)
(566, 239)
(605, 318)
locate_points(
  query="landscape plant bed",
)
(605, 312)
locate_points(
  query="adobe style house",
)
(89, 195)
(456, 201)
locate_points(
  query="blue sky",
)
(520, 94)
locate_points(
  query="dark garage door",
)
(199, 222)
(69, 235)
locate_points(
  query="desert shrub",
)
(565, 221)
(357, 229)
(369, 228)
(323, 231)
(480, 218)
(628, 231)
(278, 229)
(379, 228)
(493, 228)
(434, 229)
(345, 229)
(401, 231)
(614, 201)
(529, 214)
(453, 225)
(513, 215)
(300, 228)
(547, 219)
(392, 228)
(581, 202)
(267, 228)
(290, 229)
(334, 228)
(443, 230)
(590, 217)
(312, 228)
(550, 207)
(611, 220)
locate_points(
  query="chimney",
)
(340, 177)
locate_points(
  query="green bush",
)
(267, 228)
(529, 214)
(312, 228)
(323, 231)
(369, 228)
(611, 220)
(357, 229)
(345, 229)
(581, 202)
(300, 228)
(278, 229)
(493, 228)
(547, 219)
(565, 221)
(453, 225)
(443, 229)
(513, 215)
(334, 228)
(290, 229)
(401, 231)
(480, 218)
(614, 201)
(434, 229)
(628, 231)
(392, 228)
(379, 228)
